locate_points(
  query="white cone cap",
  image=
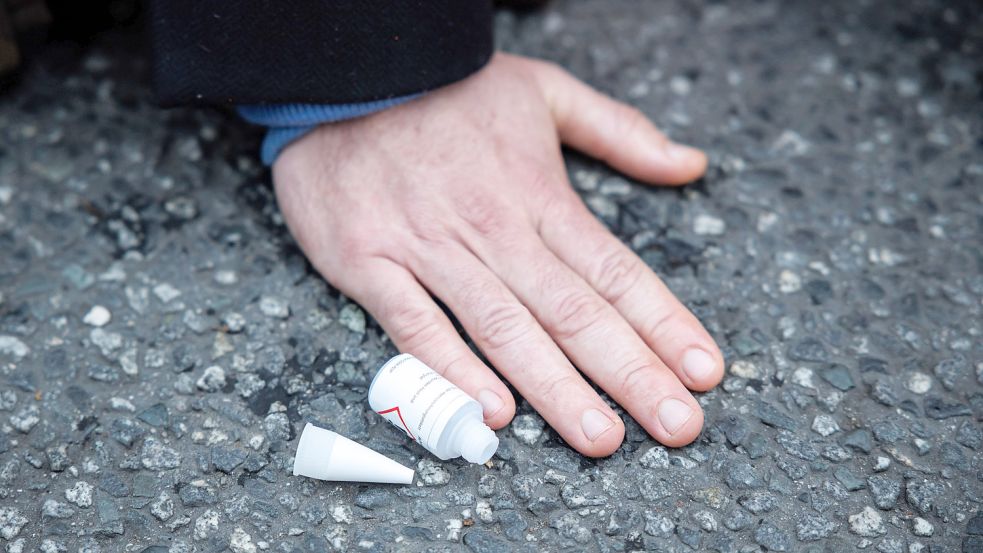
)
(327, 455)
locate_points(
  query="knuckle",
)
(413, 327)
(660, 326)
(575, 311)
(425, 232)
(615, 274)
(557, 389)
(500, 325)
(630, 120)
(352, 247)
(550, 198)
(482, 215)
(540, 181)
(633, 377)
(451, 367)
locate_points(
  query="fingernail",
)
(679, 151)
(698, 364)
(673, 414)
(595, 423)
(490, 402)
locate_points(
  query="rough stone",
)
(812, 527)
(212, 380)
(867, 523)
(11, 522)
(431, 473)
(80, 494)
(885, 490)
(481, 541)
(922, 493)
(772, 538)
(922, 528)
(825, 425)
(838, 376)
(527, 428)
(156, 456)
(655, 458)
(274, 307)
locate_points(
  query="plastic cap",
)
(327, 455)
(476, 442)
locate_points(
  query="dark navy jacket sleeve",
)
(314, 51)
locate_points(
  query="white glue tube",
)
(431, 411)
(327, 455)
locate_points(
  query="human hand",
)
(463, 194)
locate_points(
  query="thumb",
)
(615, 132)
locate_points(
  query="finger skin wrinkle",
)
(616, 274)
(427, 235)
(413, 327)
(481, 214)
(553, 391)
(632, 378)
(499, 326)
(452, 367)
(574, 312)
(660, 326)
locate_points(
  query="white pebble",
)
(655, 458)
(80, 494)
(882, 464)
(342, 514)
(274, 307)
(885, 256)
(226, 277)
(918, 382)
(803, 377)
(235, 322)
(13, 346)
(432, 473)
(824, 425)
(256, 441)
(708, 225)
(241, 542)
(527, 428)
(454, 529)
(680, 85)
(745, 369)
(352, 318)
(206, 524)
(121, 404)
(212, 380)
(97, 316)
(484, 512)
(867, 523)
(766, 221)
(789, 282)
(922, 527)
(165, 292)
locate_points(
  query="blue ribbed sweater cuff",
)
(288, 122)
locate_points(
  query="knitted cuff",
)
(288, 122)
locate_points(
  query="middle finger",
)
(596, 338)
